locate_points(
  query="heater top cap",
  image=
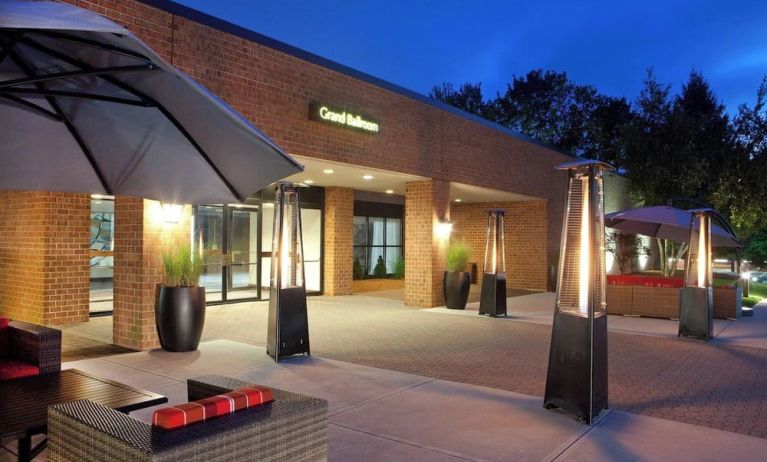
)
(579, 164)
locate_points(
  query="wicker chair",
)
(32, 345)
(292, 428)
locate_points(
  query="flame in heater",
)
(702, 252)
(585, 254)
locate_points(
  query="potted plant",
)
(457, 279)
(180, 306)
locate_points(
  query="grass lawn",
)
(757, 291)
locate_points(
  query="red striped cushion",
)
(181, 415)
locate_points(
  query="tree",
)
(467, 97)
(741, 194)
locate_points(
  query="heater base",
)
(288, 332)
(696, 313)
(492, 301)
(577, 375)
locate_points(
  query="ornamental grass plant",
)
(182, 267)
(457, 255)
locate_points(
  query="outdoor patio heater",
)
(696, 306)
(288, 323)
(577, 374)
(492, 301)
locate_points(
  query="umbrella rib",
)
(160, 107)
(67, 122)
(79, 73)
(91, 43)
(74, 94)
(34, 107)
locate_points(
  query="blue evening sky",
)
(610, 44)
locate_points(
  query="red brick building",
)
(386, 166)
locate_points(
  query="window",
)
(377, 245)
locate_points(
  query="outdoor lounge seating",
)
(658, 297)
(28, 349)
(291, 428)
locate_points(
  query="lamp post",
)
(492, 301)
(696, 306)
(288, 332)
(577, 373)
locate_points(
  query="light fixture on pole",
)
(577, 373)
(492, 301)
(696, 306)
(288, 332)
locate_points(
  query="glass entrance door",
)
(227, 238)
(242, 271)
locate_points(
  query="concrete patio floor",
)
(383, 415)
(652, 373)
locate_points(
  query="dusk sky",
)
(610, 44)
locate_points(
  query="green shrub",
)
(358, 272)
(182, 267)
(457, 256)
(399, 268)
(380, 269)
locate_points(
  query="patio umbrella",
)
(665, 222)
(85, 106)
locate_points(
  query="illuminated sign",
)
(323, 113)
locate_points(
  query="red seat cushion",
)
(13, 369)
(5, 338)
(181, 415)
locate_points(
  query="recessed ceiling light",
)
(458, 200)
(328, 171)
(389, 191)
(309, 181)
(367, 177)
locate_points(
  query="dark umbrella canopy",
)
(666, 223)
(85, 106)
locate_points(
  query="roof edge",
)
(198, 16)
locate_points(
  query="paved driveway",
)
(716, 385)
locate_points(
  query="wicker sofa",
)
(659, 298)
(292, 428)
(28, 349)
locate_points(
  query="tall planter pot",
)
(457, 284)
(180, 316)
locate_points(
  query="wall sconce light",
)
(443, 230)
(492, 300)
(172, 213)
(696, 307)
(577, 373)
(288, 325)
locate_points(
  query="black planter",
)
(180, 316)
(457, 286)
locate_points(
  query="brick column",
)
(339, 217)
(426, 203)
(141, 236)
(44, 256)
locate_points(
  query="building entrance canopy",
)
(87, 107)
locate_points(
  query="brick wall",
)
(426, 203)
(44, 256)
(525, 233)
(339, 216)
(273, 89)
(141, 236)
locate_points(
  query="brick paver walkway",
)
(722, 387)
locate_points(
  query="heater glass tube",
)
(584, 253)
(702, 252)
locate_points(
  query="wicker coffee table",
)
(24, 403)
